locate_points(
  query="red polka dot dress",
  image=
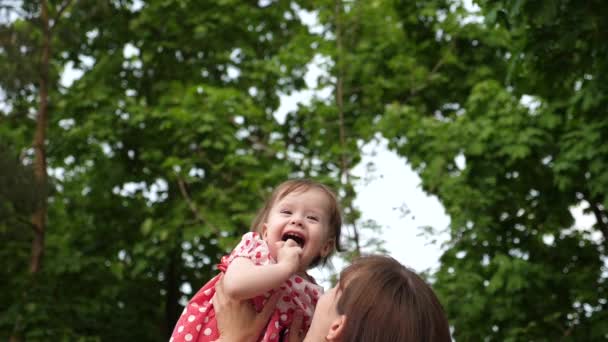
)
(197, 322)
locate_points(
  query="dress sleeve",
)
(252, 247)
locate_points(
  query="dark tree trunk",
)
(39, 216)
(171, 305)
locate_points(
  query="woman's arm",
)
(237, 320)
(244, 279)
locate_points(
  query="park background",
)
(467, 139)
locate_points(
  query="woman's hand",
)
(295, 329)
(237, 321)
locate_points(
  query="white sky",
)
(383, 192)
(394, 186)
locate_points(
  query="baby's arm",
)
(244, 279)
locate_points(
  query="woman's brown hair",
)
(300, 185)
(384, 301)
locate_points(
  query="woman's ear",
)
(336, 329)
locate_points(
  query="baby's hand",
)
(289, 253)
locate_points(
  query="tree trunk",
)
(344, 165)
(171, 304)
(39, 216)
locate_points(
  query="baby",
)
(297, 229)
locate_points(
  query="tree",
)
(159, 153)
(498, 111)
(19, 197)
(509, 154)
(27, 43)
(324, 137)
(158, 157)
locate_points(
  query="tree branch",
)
(14, 9)
(434, 70)
(60, 12)
(600, 217)
(256, 141)
(197, 214)
(415, 90)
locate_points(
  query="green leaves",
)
(162, 151)
(512, 275)
(502, 118)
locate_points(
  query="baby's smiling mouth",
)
(297, 238)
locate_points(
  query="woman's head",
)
(305, 211)
(378, 299)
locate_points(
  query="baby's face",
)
(303, 217)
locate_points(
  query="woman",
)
(377, 299)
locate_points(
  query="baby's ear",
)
(264, 230)
(327, 247)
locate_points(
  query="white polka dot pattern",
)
(298, 293)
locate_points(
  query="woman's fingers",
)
(263, 317)
(295, 328)
(219, 298)
(238, 321)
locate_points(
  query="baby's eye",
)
(314, 218)
(285, 211)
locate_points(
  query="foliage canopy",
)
(162, 149)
